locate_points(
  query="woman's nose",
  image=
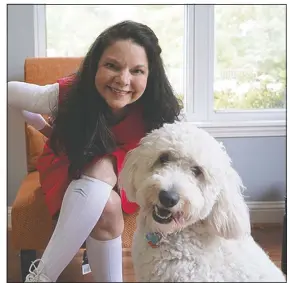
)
(123, 78)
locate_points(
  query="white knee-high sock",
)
(82, 206)
(105, 259)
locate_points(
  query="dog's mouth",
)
(165, 216)
(161, 215)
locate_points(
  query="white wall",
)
(20, 45)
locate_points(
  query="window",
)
(227, 62)
(250, 57)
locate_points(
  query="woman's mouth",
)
(119, 91)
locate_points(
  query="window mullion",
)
(203, 61)
(39, 31)
(189, 37)
(211, 62)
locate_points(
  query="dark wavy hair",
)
(81, 125)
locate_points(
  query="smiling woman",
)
(122, 75)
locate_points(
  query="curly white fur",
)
(209, 238)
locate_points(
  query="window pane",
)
(250, 57)
(71, 29)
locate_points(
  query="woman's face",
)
(122, 74)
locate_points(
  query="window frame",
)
(198, 82)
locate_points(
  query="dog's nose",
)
(168, 198)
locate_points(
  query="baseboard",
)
(266, 211)
(260, 212)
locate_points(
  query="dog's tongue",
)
(178, 217)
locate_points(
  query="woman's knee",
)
(103, 170)
(111, 222)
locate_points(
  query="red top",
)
(53, 170)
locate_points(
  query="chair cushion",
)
(32, 225)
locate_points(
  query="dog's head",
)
(179, 175)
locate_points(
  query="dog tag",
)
(153, 239)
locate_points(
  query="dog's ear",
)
(229, 217)
(126, 176)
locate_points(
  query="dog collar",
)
(153, 239)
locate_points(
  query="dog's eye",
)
(196, 170)
(164, 158)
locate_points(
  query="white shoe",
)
(35, 273)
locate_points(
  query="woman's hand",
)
(37, 122)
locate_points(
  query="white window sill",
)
(222, 129)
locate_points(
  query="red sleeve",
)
(64, 85)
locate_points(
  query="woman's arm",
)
(32, 100)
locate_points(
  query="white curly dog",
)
(193, 223)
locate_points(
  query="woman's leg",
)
(104, 245)
(85, 202)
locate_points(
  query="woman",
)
(120, 93)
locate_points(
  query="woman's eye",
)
(196, 170)
(164, 158)
(138, 71)
(110, 65)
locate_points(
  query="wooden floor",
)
(269, 238)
